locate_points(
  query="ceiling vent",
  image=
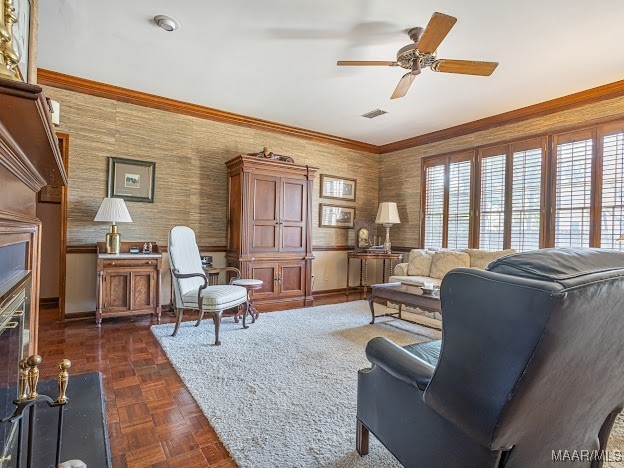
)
(374, 113)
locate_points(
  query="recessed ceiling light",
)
(166, 22)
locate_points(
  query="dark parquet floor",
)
(152, 418)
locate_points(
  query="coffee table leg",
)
(372, 308)
(400, 306)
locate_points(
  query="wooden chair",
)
(192, 288)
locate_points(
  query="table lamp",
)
(387, 214)
(113, 210)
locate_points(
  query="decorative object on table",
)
(134, 249)
(113, 210)
(266, 154)
(338, 187)
(147, 248)
(50, 194)
(15, 43)
(206, 261)
(363, 234)
(128, 283)
(336, 216)
(131, 179)
(28, 397)
(429, 288)
(388, 214)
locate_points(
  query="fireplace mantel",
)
(29, 159)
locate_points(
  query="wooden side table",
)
(364, 257)
(250, 284)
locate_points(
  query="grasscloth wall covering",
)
(400, 171)
(190, 173)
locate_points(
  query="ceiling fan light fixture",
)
(166, 22)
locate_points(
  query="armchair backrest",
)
(532, 352)
(184, 256)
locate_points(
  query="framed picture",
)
(336, 216)
(23, 38)
(50, 194)
(337, 187)
(131, 180)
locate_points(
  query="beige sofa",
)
(430, 266)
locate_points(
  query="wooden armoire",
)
(269, 234)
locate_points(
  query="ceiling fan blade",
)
(362, 63)
(438, 27)
(403, 86)
(465, 67)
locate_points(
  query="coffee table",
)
(403, 294)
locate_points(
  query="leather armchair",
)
(529, 365)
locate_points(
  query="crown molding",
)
(571, 101)
(95, 88)
(117, 93)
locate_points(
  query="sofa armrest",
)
(401, 269)
(399, 363)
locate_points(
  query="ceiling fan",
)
(422, 53)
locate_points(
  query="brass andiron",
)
(63, 380)
(33, 375)
(26, 400)
(23, 380)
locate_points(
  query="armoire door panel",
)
(293, 200)
(292, 279)
(267, 272)
(265, 199)
(293, 237)
(264, 238)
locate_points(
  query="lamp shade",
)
(113, 210)
(388, 213)
(621, 239)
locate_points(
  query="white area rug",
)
(283, 392)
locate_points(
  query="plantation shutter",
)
(492, 204)
(459, 204)
(612, 212)
(526, 197)
(434, 205)
(573, 185)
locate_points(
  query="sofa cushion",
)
(419, 262)
(414, 280)
(445, 261)
(482, 258)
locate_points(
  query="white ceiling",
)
(276, 59)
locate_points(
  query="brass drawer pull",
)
(10, 325)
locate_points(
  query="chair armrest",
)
(399, 363)
(401, 269)
(213, 274)
(179, 275)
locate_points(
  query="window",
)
(459, 205)
(434, 205)
(573, 192)
(526, 196)
(612, 210)
(447, 198)
(492, 207)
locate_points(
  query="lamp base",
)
(113, 241)
(387, 244)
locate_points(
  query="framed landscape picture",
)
(338, 187)
(131, 180)
(335, 216)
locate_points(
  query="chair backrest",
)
(533, 352)
(185, 258)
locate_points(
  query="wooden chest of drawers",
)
(128, 284)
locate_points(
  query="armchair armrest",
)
(213, 274)
(399, 363)
(401, 269)
(179, 275)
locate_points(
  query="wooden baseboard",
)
(48, 302)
